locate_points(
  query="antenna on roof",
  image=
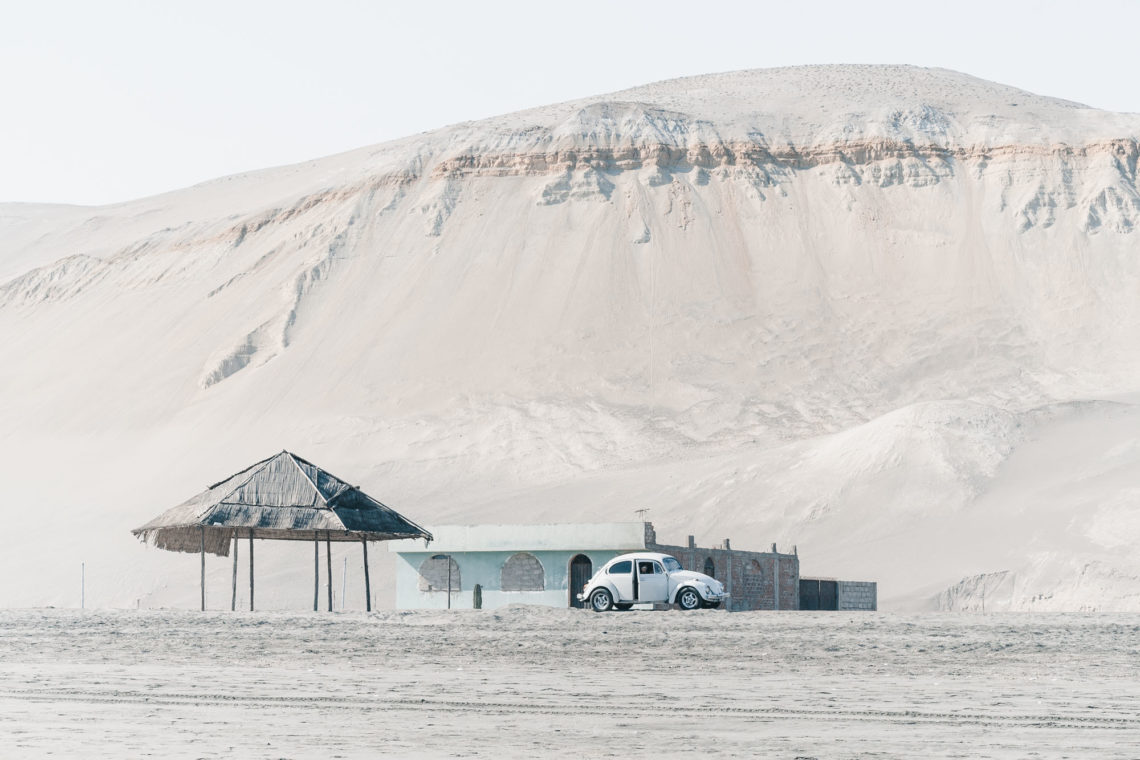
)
(641, 513)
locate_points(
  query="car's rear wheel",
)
(623, 607)
(689, 599)
(601, 601)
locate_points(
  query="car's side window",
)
(645, 567)
(621, 568)
(657, 568)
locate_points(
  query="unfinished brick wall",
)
(522, 572)
(754, 580)
(752, 584)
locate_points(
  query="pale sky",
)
(106, 101)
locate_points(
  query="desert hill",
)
(888, 314)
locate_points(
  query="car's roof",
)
(641, 555)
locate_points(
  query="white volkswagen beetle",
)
(645, 577)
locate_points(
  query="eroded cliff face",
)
(747, 264)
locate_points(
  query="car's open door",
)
(652, 582)
(621, 576)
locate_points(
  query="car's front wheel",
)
(601, 600)
(689, 599)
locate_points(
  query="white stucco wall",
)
(485, 569)
(480, 551)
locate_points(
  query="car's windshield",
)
(671, 565)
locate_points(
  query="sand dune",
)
(863, 310)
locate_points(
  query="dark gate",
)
(819, 595)
(809, 594)
(829, 595)
(580, 571)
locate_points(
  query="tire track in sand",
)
(571, 708)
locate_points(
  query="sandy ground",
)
(525, 682)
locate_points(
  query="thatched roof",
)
(284, 498)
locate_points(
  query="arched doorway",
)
(581, 568)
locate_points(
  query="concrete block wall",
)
(523, 572)
(435, 574)
(858, 595)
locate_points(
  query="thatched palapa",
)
(283, 498)
(280, 498)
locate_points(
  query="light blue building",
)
(550, 565)
(511, 564)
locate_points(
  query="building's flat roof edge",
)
(608, 536)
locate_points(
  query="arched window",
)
(710, 567)
(437, 572)
(522, 572)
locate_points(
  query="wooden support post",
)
(251, 569)
(344, 579)
(202, 536)
(233, 600)
(328, 565)
(316, 570)
(367, 586)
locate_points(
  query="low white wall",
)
(463, 600)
